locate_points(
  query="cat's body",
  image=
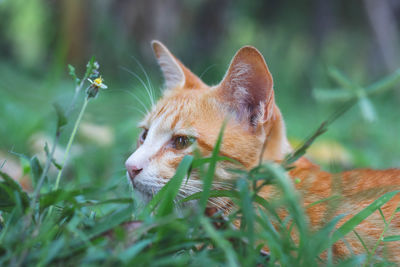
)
(355, 190)
(192, 111)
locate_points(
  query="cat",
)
(192, 112)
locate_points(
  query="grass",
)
(87, 222)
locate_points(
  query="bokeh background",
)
(301, 41)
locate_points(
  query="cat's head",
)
(191, 114)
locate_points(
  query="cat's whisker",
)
(139, 110)
(219, 203)
(206, 70)
(139, 100)
(216, 185)
(210, 200)
(141, 81)
(147, 78)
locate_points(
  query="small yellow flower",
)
(98, 83)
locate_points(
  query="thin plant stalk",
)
(69, 145)
(70, 141)
(55, 143)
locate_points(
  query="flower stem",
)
(57, 136)
(70, 141)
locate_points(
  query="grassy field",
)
(93, 216)
(81, 210)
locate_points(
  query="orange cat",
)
(191, 111)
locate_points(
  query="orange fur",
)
(245, 98)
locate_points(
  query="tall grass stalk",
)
(70, 141)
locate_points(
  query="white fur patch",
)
(148, 180)
(239, 81)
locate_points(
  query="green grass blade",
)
(209, 177)
(361, 241)
(384, 84)
(127, 255)
(350, 225)
(329, 95)
(391, 238)
(340, 78)
(221, 242)
(168, 193)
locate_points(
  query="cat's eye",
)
(180, 142)
(143, 136)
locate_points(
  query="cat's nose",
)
(133, 170)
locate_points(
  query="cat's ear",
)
(247, 87)
(176, 75)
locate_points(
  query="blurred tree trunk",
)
(383, 23)
(324, 20)
(74, 30)
(385, 29)
(148, 20)
(210, 24)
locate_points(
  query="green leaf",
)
(11, 193)
(340, 78)
(54, 197)
(89, 67)
(71, 71)
(126, 200)
(111, 221)
(246, 205)
(357, 260)
(25, 164)
(61, 118)
(36, 169)
(220, 241)
(128, 254)
(172, 187)
(169, 191)
(384, 84)
(2, 164)
(321, 237)
(102, 226)
(361, 241)
(53, 160)
(367, 109)
(391, 238)
(332, 95)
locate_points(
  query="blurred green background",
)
(300, 40)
